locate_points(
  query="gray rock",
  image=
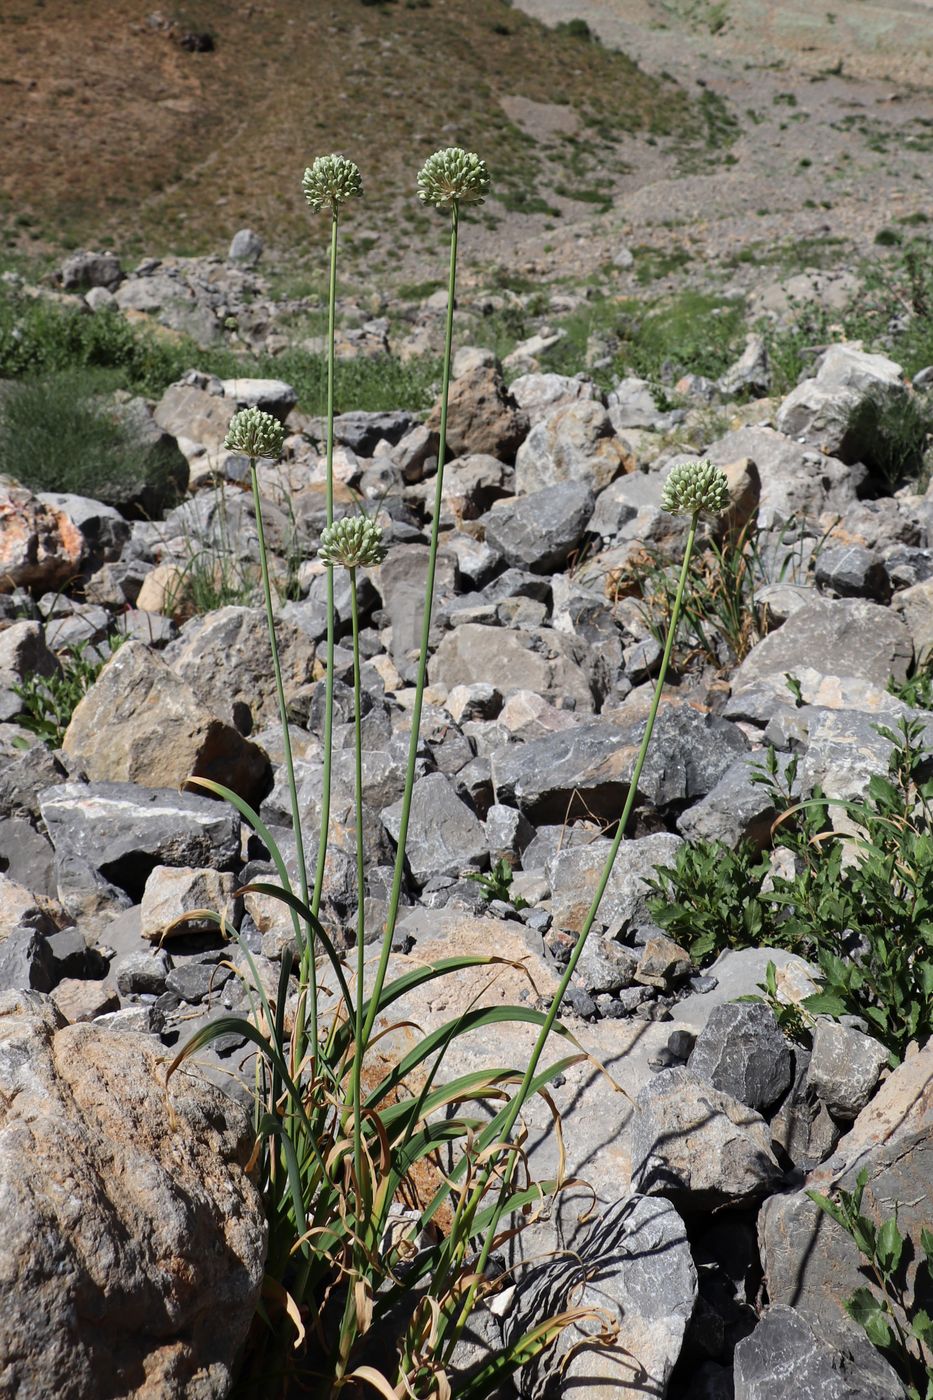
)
(271, 395)
(99, 299)
(245, 247)
(26, 856)
(574, 871)
(849, 637)
(539, 659)
(196, 981)
(845, 1067)
(159, 1240)
(802, 1125)
(23, 653)
(86, 269)
(102, 527)
(787, 1355)
(25, 962)
(844, 750)
(853, 572)
(742, 1051)
(630, 509)
(633, 1264)
(698, 1146)
(23, 774)
(195, 414)
(138, 974)
(663, 963)
(631, 404)
(605, 965)
(573, 443)
(539, 531)
(124, 831)
(751, 372)
(735, 810)
(539, 394)
(796, 482)
(507, 833)
(739, 972)
(444, 836)
(915, 607)
(810, 1262)
(362, 431)
(820, 409)
(482, 416)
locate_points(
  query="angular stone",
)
(742, 1051)
(820, 409)
(631, 404)
(40, 548)
(482, 416)
(225, 658)
(539, 531)
(844, 750)
(140, 723)
(444, 836)
(23, 653)
(788, 1355)
(159, 1236)
(850, 571)
(796, 482)
(193, 414)
(363, 431)
(574, 871)
(663, 963)
(802, 1125)
(698, 1146)
(812, 1263)
(751, 373)
(25, 962)
(471, 485)
(573, 443)
(848, 637)
(630, 509)
(86, 269)
(125, 831)
(845, 1067)
(539, 394)
(245, 247)
(538, 659)
(915, 607)
(605, 965)
(172, 891)
(270, 395)
(77, 999)
(735, 810)
(139, 974)
(632, 1264)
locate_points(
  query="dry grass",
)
(112, 129)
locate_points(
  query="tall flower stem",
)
(521, 1095)
(399, 871)
(360, 889)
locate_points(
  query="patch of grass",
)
(652, 264)
(59, 434)
(50, 701)
(576, 29)
(418, 291)
(893, 434)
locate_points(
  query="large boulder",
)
(132, 1240)
(538, 659)
(844, 637)
(140, 723)
(796, 480)
(573, 874)
(482, 416)
(787, 1355)
(539, 531)
(40, 547)
(574, 443)
(822, 410)
(23, 653)
(444, 836)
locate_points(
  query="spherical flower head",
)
(695, 486)
(255, 433)
(353, 542)
(453, 176)
(330, 181)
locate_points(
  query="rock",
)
(802, 1125)
(172, 891)
(507, 833)
(573, 874)
(191, 412)
(482, 416)
(633, 1264)
(852, 572)
(102, 527)
(225, 658)
(140, 723)
(23, 653)
(740, 972)
(698, 1146)
(663, 963)
(245, 247)
(142, 974)
(573, 443)
(629, 508)
(362, 432)
(124, 831)
(25, 962)
(40, 548)
(26, 856)
(270, 395)
(735, 810)
(605, 966)
(167, 296)
(76, 999)
(588, 769)
(444, 836)
(471, 485)
(915, 607)
(845, 1067)
(742, 1051)
(844, 750)
(82, 270)
(160, 475)
(796, 482)
(820, 410)
(99, 299)
(810, 1262)
(788, 1355)
(849, 637)
(539, 394)
(142, 1276)
(470, 357)
(744, 485)
(631, 404)
(751, 372)
(540, 530)
(537, 659)
(23, 776)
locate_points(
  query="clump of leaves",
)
(498, 885)
(894, 1322)
(892, 434)
(860, 906)
(917, 690)
(50, 701)
(791, 1018)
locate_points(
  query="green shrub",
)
(860, 906)
(50, 701)
(58, 434)
(892, 436)
(576, 29)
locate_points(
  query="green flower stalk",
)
(692, 487)
(448, 179)
(327, 183)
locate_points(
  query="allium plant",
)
(340, 1140)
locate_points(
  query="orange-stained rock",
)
(40, 548)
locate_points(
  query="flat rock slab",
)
(788, 1356)
(847, 636)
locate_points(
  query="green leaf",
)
(869, 1313)
(926, 1244)
(890, 1246)
(824, 1004)
(921, 1325)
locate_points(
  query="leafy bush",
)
(59, 434)
(860, 906)
(50, 701)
